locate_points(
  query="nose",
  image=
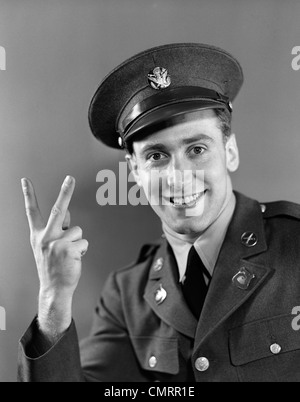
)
(175, 175)
(182, 178)
(175, 179)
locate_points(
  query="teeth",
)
(186, 200)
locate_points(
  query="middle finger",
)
(60, 208)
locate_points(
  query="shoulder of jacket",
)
(146, 252)
(281, 208)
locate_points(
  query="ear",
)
(133, 166)
(232, 154)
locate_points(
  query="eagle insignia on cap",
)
(159, 78)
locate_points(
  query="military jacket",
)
(144, 331)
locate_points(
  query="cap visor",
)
(168, 116)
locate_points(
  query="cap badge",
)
(159, 78)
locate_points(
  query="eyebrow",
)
(186, 141)
(199, 137)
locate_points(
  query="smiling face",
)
(193, 163)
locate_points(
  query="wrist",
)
(55, 298)
(54, 314)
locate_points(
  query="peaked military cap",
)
(154, 88)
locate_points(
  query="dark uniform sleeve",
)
(106, 355)
(40, 363)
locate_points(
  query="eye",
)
(157, 156)
(198, 150)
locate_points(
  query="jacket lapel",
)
(173, 309)
(225, 295)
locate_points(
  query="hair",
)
(224, 117)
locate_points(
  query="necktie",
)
(194, 288)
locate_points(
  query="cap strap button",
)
(120, 142)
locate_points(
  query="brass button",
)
(152, 362)
(202, 364)
(275, 349)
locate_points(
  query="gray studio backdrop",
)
(56, 54)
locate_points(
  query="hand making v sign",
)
(58, 250)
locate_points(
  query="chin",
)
(189, 226)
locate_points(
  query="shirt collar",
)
(208, 244)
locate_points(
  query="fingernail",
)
(24, 183)
(68, 180)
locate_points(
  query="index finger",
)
(61, 206)
(33, 213)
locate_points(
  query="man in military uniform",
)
(210, 301)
